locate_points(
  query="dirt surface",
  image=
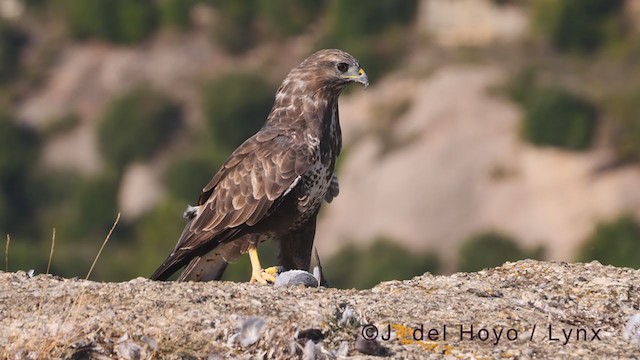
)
(521, 310)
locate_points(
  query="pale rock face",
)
(466, 171)
(76, 150)
(471, 22)
(140, 190)
(87, 77)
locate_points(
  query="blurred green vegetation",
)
(118, 21)
(556, 117)
(579, 25)
(186, 176)
(175, 13)
(492, 249)
(235, 30)
(553, 115)
(155, 235)
(624, 113)
(12, 41)
(285, 18)
(136, 125)
(19, 153)
(614, 243)
(61, 125)
(373, 31)
(236, 107)
(383, 260)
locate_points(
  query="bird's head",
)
(331, 68)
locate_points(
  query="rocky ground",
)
(523, 310)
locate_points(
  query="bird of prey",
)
(271, 187)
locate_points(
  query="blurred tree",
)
(156, 233)
(579, 25)
(373, 31)
(120, 21)
(176, 13)
(556, 117)
(490, 250)
(236, 106)
(88, 19)
(12, 41)
(235, 29)
(93, 208)
(624, 113)
(136, 125)
(187, 176)
(521, 85)
(614, 243)
(363, 18)
(383, 260)
(289, 17)
(61, 125)
(135, 20)
(19, 152)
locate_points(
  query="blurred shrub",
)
(579, 25)
(12, 40)
(186, 177)
(383, 260)
(615, 243)
(135, 20)
(235, 26)
(120, 21)
(521, 85)
(61, 125)
(136, 125)
(288, 17)
(93, 206)
(362, 17)
(19, 152)
(372, 31)
(236, 106)
(491, 250)
(176, 13)
(156, 234)
(556, 117)
(624, 112)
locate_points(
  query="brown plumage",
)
(272, 186)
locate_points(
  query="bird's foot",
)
(264, 276)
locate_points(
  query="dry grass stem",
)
(6, 253)
(102, 247)
(53, 245)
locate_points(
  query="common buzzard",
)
(272, 186)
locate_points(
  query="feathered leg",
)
(295, 248)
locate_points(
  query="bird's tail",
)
(211, 265)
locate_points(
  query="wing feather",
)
(247, 188)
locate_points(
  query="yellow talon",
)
(259, 275)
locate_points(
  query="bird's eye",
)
(343, 67)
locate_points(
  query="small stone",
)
(250, 331)
(632, 329)
(129, 350)
(296, 277)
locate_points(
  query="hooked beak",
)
(362, 78)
